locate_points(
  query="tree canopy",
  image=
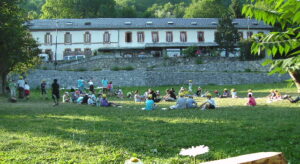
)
(17, 46)
(78, 9)
(227, 35)
(285, 13)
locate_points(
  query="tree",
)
(78, 9)
(17, 46)
(205, 9)
(286, 42)
(236, 9)
(227, 35)
(167, 10)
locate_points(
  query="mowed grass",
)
(35, 132)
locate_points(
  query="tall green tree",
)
(236, 8)
(78, 9)
(17, 47)
(205, 9)
(286, 42)
(167, 10)
(227, 35)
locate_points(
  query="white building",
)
(135, 36)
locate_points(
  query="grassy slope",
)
(34, 131)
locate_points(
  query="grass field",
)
(35, 132)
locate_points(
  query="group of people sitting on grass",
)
(184, 98)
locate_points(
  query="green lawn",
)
(35, 132)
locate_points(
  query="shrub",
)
(81, 69)
(115, 68)
(245, 46)
(97, 69)
(44, 68)
(199, 61)
(190, 51)
(128, 68)
(248, 70)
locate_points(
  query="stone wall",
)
(97, 63)
(69, 79)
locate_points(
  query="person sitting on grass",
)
(251, 100)
(277, 94)
(209, 104)
(288, 97)
(190, 102)
(55, 92)
(216, 92)
(66, 98)
(199, 92)
(138, 97)
(225, 94)
(27, 90)
(272, 95)
(92, 99)
(120, 94)
(104, 102)
(234, 93)
(181, 102)
(150, 104)
(170, 95)
(250, 92)
(98, 99)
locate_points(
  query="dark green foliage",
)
(199, 61)
(190, 51)
(236, 8)
(18, 49)
(127, 68)
(227, 35)
(167, 10)
(78, 9)
(205, 9)
(245, 48)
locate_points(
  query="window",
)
(106, 37)
(241, 35)
(200, 36)
(155, 37)
(68, 38)
(87, 37)
(128, 37)
(48, 38)
(183, 36)
(78, 51)
(140, 37)
(67, 52)
(169, 36)
(249, 34)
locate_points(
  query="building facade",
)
(131, 36)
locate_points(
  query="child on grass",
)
(150, 104)
(209, 104)
(66, 98)
(190, 102)
(43, 89)
(251, 100)
(104, 102)
(234, 93)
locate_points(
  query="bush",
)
(44, 68)
(190, 51)
(248, 70)
(245, 46)
(115, 68)
(97, 69)
(199, 61)
(81, 69)
(128, 68)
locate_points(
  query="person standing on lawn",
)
(104, 84)
(21, 85)
(55, 92)
(12, 88)
(43, 89)
(80, 84)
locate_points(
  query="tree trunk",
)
(3, 83)
(296, 78)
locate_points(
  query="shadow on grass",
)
(228, 131)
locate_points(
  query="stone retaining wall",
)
(69, 79)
